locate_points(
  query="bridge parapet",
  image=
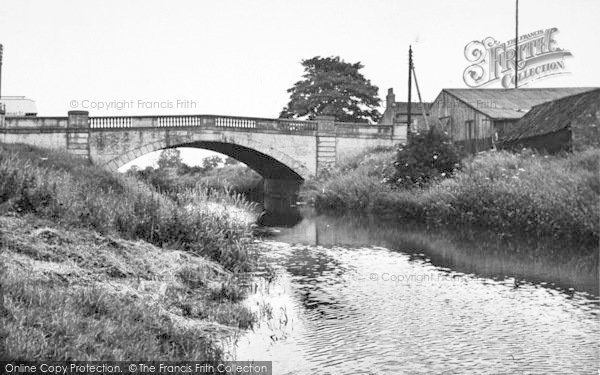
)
(355, 128)
(280, 125)
(39, 123)
(326, 126)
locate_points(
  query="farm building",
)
(478, 118)
(397, 112)
(566, 124)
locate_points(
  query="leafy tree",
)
(211, 163)
(333, 87)
(170, 158)
(427, 157)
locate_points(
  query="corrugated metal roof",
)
(511, 103)
(555, 115)
(18, 106)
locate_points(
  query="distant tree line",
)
(172, 174)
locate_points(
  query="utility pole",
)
(423, 110)
(408, 119)
(1, 50)
(517, 45)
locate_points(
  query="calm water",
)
(357, 296)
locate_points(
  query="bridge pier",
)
(280, 197)
(78, 134)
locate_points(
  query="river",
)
(354, 295)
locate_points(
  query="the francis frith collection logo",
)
(493, 62)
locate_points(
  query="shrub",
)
(427, 157)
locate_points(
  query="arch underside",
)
(264, 165)
(274, 165)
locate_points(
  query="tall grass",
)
(52, 322)
(238, 179)
(235, 179)
(72, 294)
(354, 183)
(99, 266)
(556, 196)
(68, 190)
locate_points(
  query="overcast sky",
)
(240, 57)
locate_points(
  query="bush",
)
(427, 157)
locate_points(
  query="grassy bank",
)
(238, 179)
(526, 193)
(231, 179)
(97, 265)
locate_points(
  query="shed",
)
(569, 123)
(479, 118)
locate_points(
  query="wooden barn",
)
(566, 124)
(479, 118)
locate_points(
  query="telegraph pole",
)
(1, 50)
(408, 119)
(517, 45)
(423, 111)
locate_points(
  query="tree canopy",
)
(331, 86)
(170, 158)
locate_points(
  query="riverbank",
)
(97, 265)
(549, 196)
(233, 179)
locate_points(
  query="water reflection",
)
(562, 265)
(359, 296)
(289, 219)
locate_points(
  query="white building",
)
(18, 106)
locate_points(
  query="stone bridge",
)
(285, 152)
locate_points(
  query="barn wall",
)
(451, 115)
(586, 130)
(502, 127)
(548, 143)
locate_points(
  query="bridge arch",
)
(266, 160)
